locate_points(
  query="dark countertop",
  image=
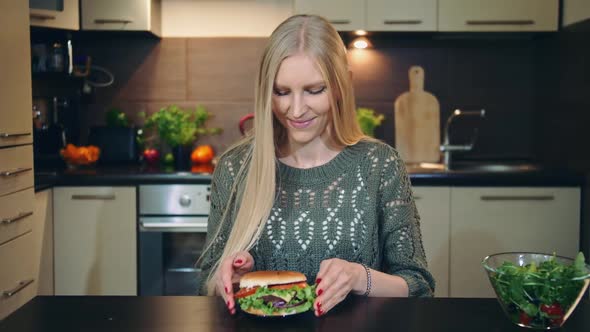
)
(132, 175)
(183, 314)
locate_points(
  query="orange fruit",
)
(202, 168)
(202, 154)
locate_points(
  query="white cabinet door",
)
(43, 242)
(498, 15)
(95, 241)
(60, 14)
(16, 123)
(486, 221)
(434, 205)
(401, 15)
(345, 15)
(130, 15)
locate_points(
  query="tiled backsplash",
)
(508, 76)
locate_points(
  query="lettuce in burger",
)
(275, 293)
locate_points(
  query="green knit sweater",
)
(357, 207)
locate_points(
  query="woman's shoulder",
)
(378, 149)
(232, 159)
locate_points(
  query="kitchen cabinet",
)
(17, 280)
(60, 14)
(485, 221)
(345, 15)
(16, 123)
(433, 204)
(498, 15)
(43, 242)
(95, 240)
(129, 15)
(575, 11)
(401, 15)
(16, 160)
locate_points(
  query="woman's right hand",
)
(231, 270)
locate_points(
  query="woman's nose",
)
(298, 106)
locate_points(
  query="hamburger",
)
(275, 293)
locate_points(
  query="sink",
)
(473, 167)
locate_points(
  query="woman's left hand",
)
(335, 280)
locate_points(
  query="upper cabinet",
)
(401, 15)
(345, 15)
(128, 15)
(575, 11)
(498, 15)
(436, 15)
(60, 14)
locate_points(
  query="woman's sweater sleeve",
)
(400, 236)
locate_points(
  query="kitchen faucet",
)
(446, 147)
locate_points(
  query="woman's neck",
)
(315, 153)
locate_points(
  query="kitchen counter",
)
(176, 314)
(138, 174)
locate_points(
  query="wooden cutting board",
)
(417, 122)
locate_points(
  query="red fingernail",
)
(320, 291)
(317, 281)
(319, 306)
(320, 312)
(228, 304)
(226, 292)
(239, 261)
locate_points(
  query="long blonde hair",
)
(314, 36)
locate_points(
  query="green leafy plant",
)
(368, 120)
(540, 295)
(180, 127)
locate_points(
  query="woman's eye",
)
(281, 92)
(317, 91)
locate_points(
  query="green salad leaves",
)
(301, 299)
(539, 295)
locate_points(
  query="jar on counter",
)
(57, 58)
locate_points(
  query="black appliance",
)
(117, 144)
(172, 230)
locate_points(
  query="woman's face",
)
(301, 100)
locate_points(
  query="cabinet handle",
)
(340, 21)
(112, 20)
(20, 216)
(392, 22)
(7, 135)
(94, 197)
(517, 198)
(21, 285)
(14, 172)
(417, 198)
(500, 22)
(42, 17)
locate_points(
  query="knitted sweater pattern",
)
(357, 207)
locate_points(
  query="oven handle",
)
(161, 225)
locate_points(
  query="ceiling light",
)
(360, 32)
(361, 43)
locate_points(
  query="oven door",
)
(168, 250)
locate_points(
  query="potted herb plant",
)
(179, 129)
(368, 120)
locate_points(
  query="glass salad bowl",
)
(537, 290)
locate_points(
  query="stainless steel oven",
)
(172, 230)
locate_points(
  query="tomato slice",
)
(245, 292)
(288, 286)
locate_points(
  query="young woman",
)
(307, 191)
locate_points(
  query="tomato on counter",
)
(202, 154)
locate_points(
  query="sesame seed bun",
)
(268, 278)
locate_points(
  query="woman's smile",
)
(301, 124)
